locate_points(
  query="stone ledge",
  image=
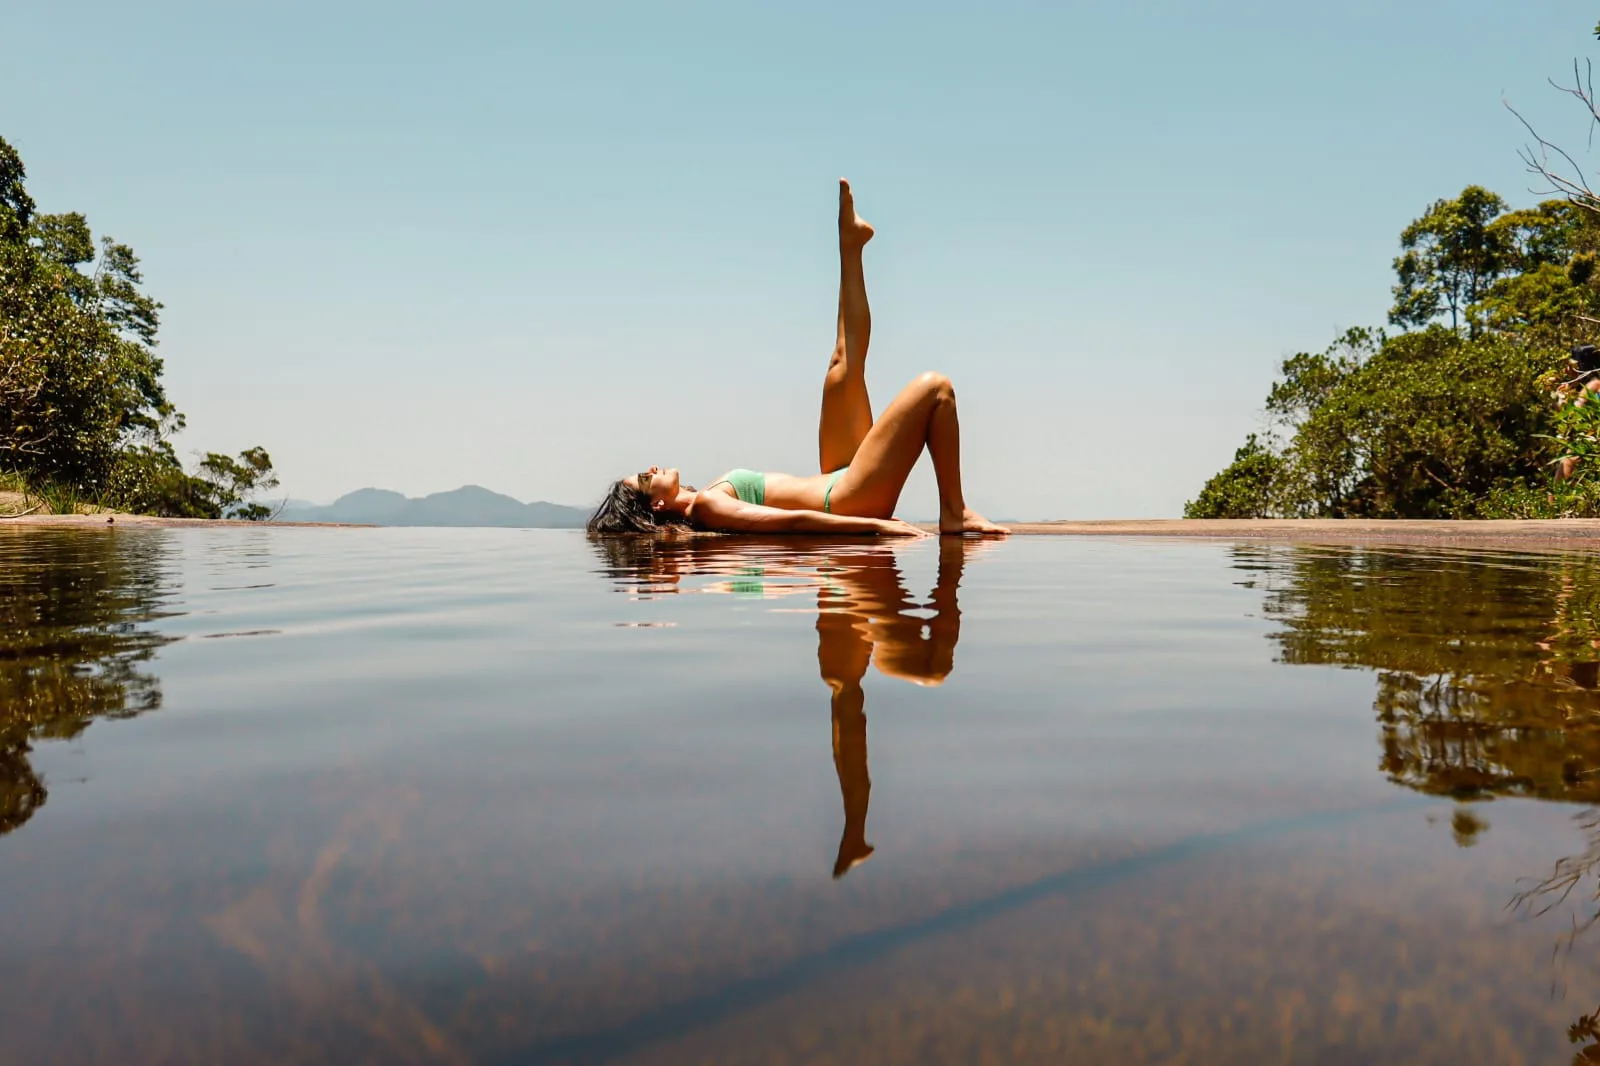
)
(1574, 533)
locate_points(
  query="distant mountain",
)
(470, 505)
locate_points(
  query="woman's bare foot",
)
(971, 524)
(853, 229)
(852, 853)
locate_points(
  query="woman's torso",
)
(788, 492)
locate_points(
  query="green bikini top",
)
(749, 485)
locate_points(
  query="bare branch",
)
(1435, 477)
(1538, 159)
(1561, 172)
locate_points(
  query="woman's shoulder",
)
(719, 488)
(708, 502)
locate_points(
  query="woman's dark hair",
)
(627, 510)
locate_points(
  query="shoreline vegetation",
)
(85, 422)
(1479, 406)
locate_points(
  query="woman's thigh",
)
(887, 455)
(846, 416)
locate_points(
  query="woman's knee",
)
(936, 384)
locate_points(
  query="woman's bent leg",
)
(923, 415)
(846, 408)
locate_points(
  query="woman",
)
(864, 463)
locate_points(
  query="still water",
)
(396, 796)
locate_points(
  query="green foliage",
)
(16, 206)
(1546, 499)
(1544, 303)
(232, 482)
(62, 499)
(1576, 429)
(1546, 234)
(148, 479)
(1243, 489)
(1449, 258)
(1574, 437)
(1310, 380)
(1457, 421)
(1549, 297)
(1422, 429)
(81, 399)
(1420, 425)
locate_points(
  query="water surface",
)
(506, 796)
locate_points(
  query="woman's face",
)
(659, 483)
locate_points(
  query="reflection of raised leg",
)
(843, 653)
(846, 408)
(855, 786)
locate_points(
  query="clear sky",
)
(535, 246)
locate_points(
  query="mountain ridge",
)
(469, 505)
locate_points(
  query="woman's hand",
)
(893, 527)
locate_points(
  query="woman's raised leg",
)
(922, 416)
(846, 409)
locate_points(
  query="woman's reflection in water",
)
(865, 616)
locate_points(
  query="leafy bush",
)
(1244, 489)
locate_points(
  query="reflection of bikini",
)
(751, 582)
(751, 486)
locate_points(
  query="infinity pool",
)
(470, 796)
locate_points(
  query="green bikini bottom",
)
(827, 494)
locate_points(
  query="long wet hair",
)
(627, 510)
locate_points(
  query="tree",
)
(16, 206)
(1428, 426)
(1548, 296)
(1309, 379)
(1450, 256)
(1244, 489)
(234, 481)
(84, 404)
(1546, 234)
(1421, 425)
(1259, 482)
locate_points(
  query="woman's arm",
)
(715, 510)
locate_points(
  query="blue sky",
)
(536, 246)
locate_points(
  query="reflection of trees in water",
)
(1488, 684)
(74, 608)
(1572, 876)
(1487, 669)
